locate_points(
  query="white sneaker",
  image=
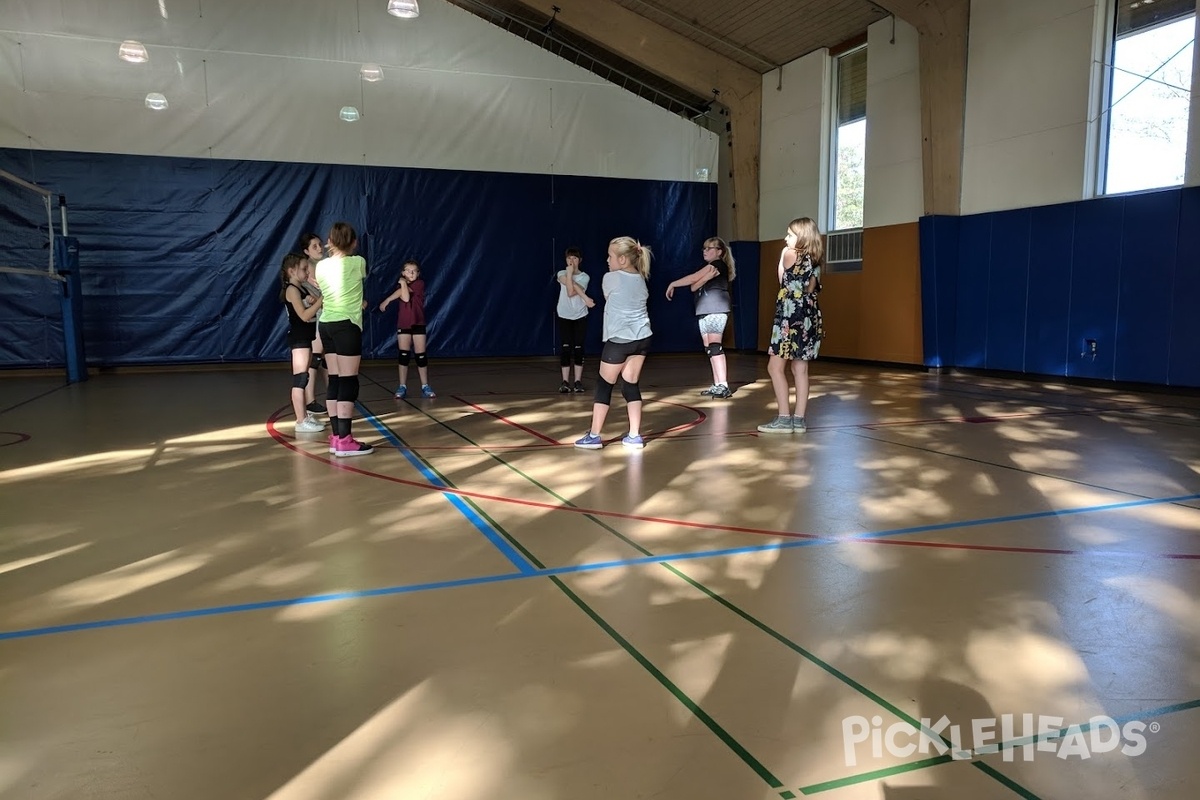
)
(309, 425)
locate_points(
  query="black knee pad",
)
(299, 380)
(564, 355)
(347, 388)
(631, 391)
(422, 360)
(332, 388)
(714, 349)
(603, 391)
(577, 355)
(316, 361)
(403, 357)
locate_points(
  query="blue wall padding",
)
(1051, 238)
(1144, 291)
(180, 257)
(1184, 343)
(1095, 275)
(939, 288)
(1008, 289)
(1031, 286)
(744, 293)
(975, 248)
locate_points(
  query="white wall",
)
(1191, 175)
(1028, 76)
(264, 79)
(894, 190)
(793, 148)
(795, 140)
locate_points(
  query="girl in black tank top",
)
(302, 328)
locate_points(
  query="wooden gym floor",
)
(196, 604)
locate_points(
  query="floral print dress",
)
(798, 328)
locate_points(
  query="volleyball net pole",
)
(63, 268)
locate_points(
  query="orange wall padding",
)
(873, 315)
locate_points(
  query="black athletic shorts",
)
(341, 338)
(618, 352)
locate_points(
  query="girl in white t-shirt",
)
(572, 311)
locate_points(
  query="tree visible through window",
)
(849, 138)
(1149, 81)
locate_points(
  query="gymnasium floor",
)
(194, 604)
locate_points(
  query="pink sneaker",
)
(333, 442)
(348, 446)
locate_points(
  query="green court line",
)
(817, 788)
(1004, 779)
(1084, 727)
(874, 775)
(839, 675)
(741, 613)
(747, 758)
(690, 704)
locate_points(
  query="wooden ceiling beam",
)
(943, 27)
(690, 65)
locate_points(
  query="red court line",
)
(21, 438)
(284, 440)
(506, 420)
(700, 418)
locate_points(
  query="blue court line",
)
(498, 541)
(531, 572)
(972, 523)
(262, 605)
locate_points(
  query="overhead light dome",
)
(405, 9)
(349, 114)
(371, 73)
(133, 52)
(156, 101)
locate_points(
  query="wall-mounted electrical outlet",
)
(1089, 349)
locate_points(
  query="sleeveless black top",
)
(713, 297)
(299, 328)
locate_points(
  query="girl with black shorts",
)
(302, 310)
(626, 339)
(340, 278)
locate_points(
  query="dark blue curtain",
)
(180, 257)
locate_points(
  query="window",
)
(849, 139)
(1146, 90)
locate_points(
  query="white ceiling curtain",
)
(266, 81)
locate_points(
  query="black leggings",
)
(571, 332)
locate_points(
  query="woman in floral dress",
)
(797, 331)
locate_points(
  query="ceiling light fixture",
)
(349, 114)
(133, 52)
(156, 101)
(404, 9)
(371, 73)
